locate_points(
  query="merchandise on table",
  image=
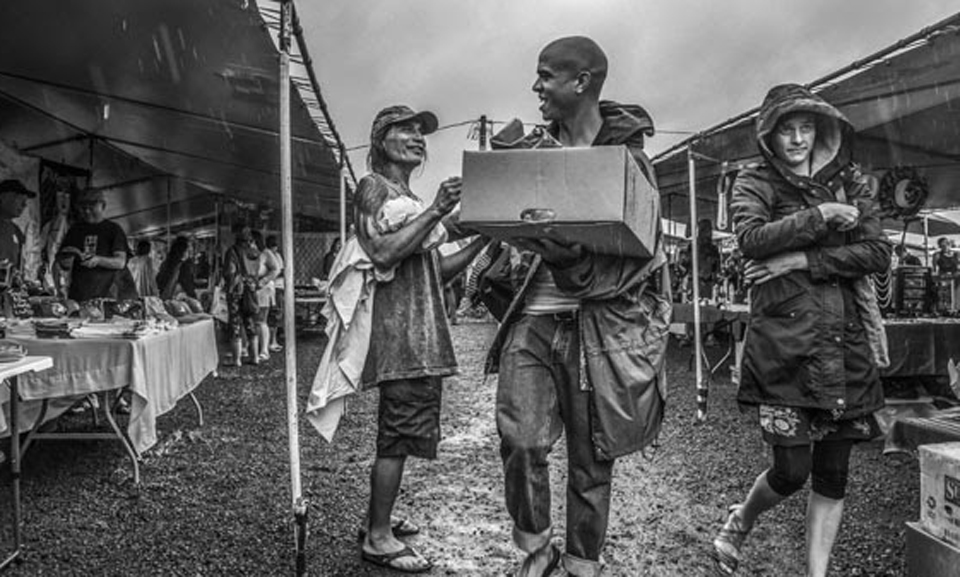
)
(55, 318)
(10, 351)
(121, 329)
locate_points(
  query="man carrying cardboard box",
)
(581, 347)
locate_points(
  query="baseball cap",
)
(395, 114)
(14, 185)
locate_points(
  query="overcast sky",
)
(690, 63)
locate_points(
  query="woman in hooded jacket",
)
(805, 222)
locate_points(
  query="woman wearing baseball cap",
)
(408, 345)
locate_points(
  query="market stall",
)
(174, 109)
(158, 366)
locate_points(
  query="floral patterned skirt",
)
(792, 426)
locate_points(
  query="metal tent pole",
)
(169, 215)
(695, 267)
(289, 328)
(215, 275)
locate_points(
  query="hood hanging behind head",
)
(833, 128)
(626, 123)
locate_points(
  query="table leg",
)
(196, 404)
(15, 469)
(134, 456)
(35, 428)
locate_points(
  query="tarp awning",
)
(904, 102)
(141, 91)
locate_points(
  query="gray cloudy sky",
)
(690, 63)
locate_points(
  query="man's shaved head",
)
(576, 54)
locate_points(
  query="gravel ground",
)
(215, 500)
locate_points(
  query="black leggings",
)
(829, 461)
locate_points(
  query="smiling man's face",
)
(555, 86)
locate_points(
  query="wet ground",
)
(216, 500)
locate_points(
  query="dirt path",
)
(666, 506)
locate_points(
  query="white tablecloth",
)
(159, 369)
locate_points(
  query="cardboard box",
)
(597, 197)
(940, 491)
(927, 556)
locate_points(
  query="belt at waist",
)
(562, 316)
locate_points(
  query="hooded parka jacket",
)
(624, 320)
(805, 344)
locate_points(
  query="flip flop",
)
(524, 570)
(401, 528)
(388, 560)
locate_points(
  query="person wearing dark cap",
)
(94, 251)
(411, 349)
(13, 199)
(581, 348)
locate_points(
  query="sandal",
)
(276, 348)
(389, 560)
(401, 528)
(727, 544)
(524, 569)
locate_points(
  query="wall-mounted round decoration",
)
(903, 190)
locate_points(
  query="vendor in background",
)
(268, 270)
(188, 272)
(732, 272)
(240, 267)
(13, 199)
(141, 268)
(271, 254)
(902, 257)
(202, 276)
(708, 257)
(93, 252)
(945, 260)
(169, 275)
